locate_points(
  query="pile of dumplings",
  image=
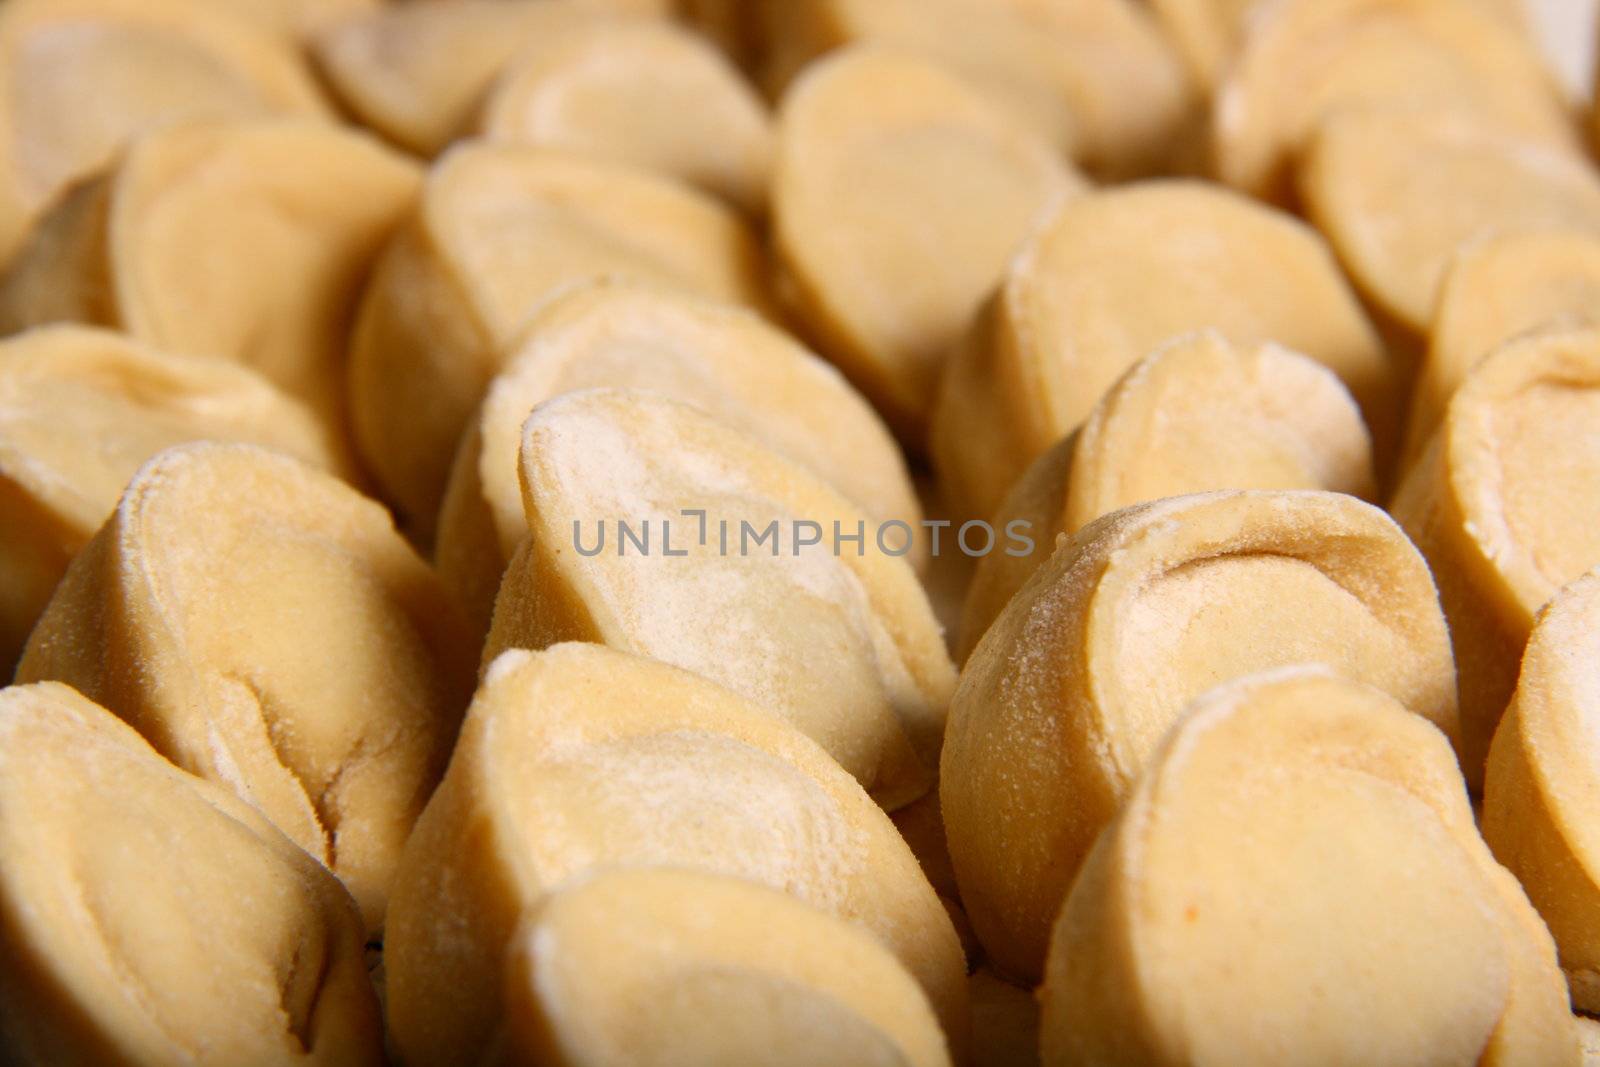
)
(797, 533)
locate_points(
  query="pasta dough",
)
(264, 627)
(417, 72)
(646, 93)
(1400, 191)
(838, 639)
(1304, 60)
(1110, 278)
(722, 359)
(80, 77)
(500, 230)
(580, 757)
(1297, 880)
(1093, 75)
(1197, 414)
(80, 411)
(200, 241)
(149, 918)
(899, 197)
(1079, 678)
(657, 967)
(1504, 505)
(1497, 289)
(1541, 782)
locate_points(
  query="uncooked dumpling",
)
(1197, 414)
(900, 195)
(644, 92)
(1075, 684)
(80, 411)
(265, 627)
(580, 757)
(1496, 290)
(733, 571)
(723, 359)
(150, 918)
(1209, 33)
(417, 72)
(243, 241)
(1505, 504)
(500, 230)
(1297, 880)
(1094, 76)
(1400, 191)
(1113, 276)
(1304, 60)
(1543, 781)
(654, 967)
(81, 77)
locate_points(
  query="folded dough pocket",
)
(1087, 668)
(1198, 414)
(80, 411)
(579, 758)
(241, 241)
(643, 92)
(1310, 59)
(1542, 783)
(1297, 880)
(656, 529)
(80, 77)
(1505, 505)
(899, 196)
(654, 966)
(265, 627)
(416, 73)
(723, 359)
(1110, 278)
(500, 230)
(148, 917)
(1497, 289)
(1399, 191)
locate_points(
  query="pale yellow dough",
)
(240, 241)
(418, 72)
(842, 645)
(653, 967)
(1497, 289)
(299, 19)
(265, 627)
(1095, 76)
(1304, 60)
(1075, 684)
(1400, 191)
(500, 230)
(80, 411)
(1589, 1039)
(900, 195)
(149, 918)
(1206, 32)
(80, 77)
(723, 359)
(1505, 504)
(1209, 33)
(1113, 276)
(580, 757)
(1297, 881)
(1198, 414)
(646, 93)
(1543, 781)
